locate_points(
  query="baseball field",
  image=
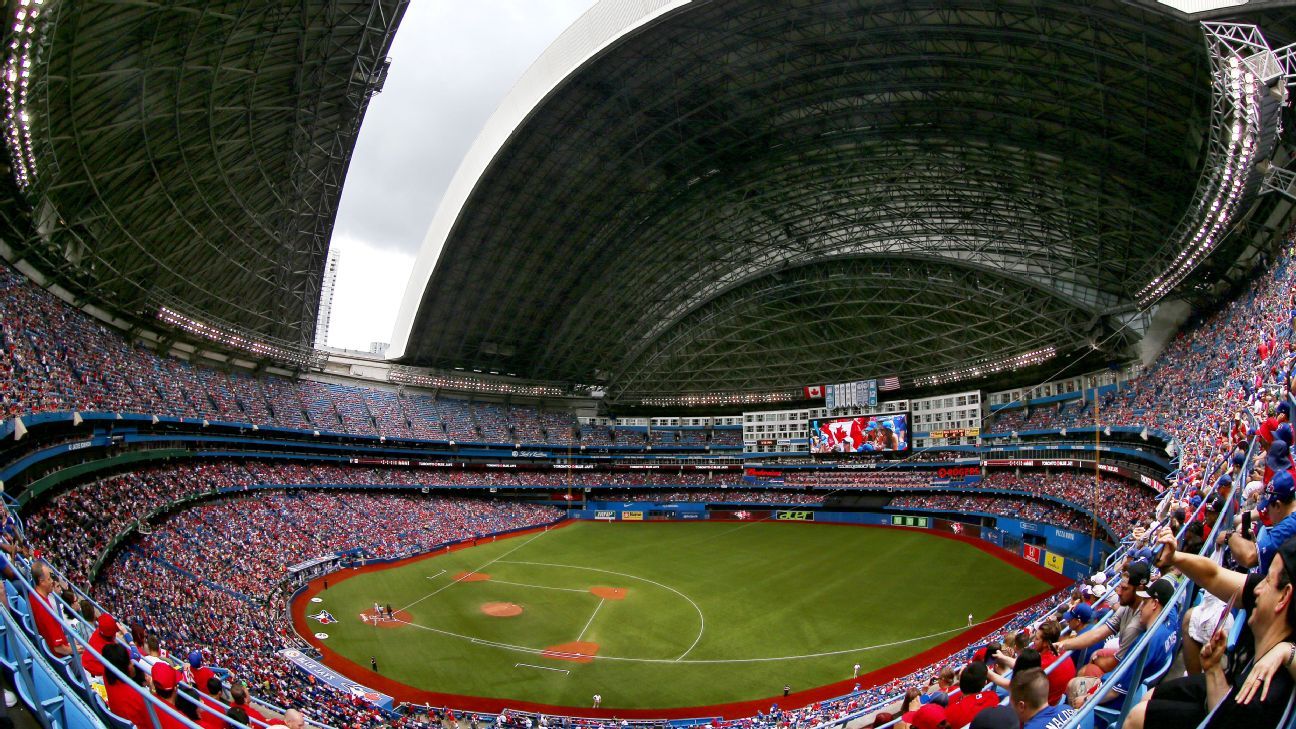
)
(661, 615)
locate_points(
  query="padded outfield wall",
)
(1063, 551)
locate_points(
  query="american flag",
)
(889, 383)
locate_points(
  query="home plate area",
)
(399, 619)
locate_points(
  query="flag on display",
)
(889, 383)
(814, 391)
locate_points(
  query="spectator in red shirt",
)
(164, 687)
(1048, 633)
(239, 697)
(972, 683)
(105, 634)
(201, 673)
(124, 697)
(214, 716)
(39, 600)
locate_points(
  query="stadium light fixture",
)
(234, 339)
(18, 63)
(989, 366)
(691, 400)
(1242, 67)
(435, 381)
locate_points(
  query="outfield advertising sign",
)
(794, 515)
(1054, 562)
(327, 675)
(605, 515)
(1031, 552)
(632, 516)
(921, 522)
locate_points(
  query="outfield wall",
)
(1063, 551)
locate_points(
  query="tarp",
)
(327, 675)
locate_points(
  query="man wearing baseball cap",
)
(1078, 619)
(1124, 622)
(164, 688)
(1278, 459)
(928, 716)
(1277, 511)
(1157, 598)
(106, 632)
(1282, 413)
(1271, 620)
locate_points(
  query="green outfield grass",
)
(713, 613)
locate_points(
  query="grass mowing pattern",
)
(764, 590)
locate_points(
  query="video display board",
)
(887, 433)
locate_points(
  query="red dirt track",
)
(578, 652)
(734, 710)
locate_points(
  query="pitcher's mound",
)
(471, 577)
(580, 651)
(501, 609)
(401, 618)
(609, 593)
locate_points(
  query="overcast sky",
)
(452, 63)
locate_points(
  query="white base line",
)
(538, 587)
(591, 620)
(542, 668)
(433, 577)
(488, 564)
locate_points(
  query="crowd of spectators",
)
(195, 583)
(87, 517)
(1118, 502)
(1017, 507)
(1234, 360)
(879, 479)
(732, 496)
(60, 359)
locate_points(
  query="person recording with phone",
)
(1271, 622)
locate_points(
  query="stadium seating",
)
(1227, 364)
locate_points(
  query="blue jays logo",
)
(324, 617)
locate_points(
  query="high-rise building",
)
(326, 298)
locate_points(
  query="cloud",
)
(452, 64)
(367, 293)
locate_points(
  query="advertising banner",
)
(1031, 552)
(1054, 562)
(794, 515)
(632, 516)
(606, 515)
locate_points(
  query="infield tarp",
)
(327, 675)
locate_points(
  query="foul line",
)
(626, 659)
(591, 620)
(538, 587)
(701, 618)
(542, 668)
(461, 577)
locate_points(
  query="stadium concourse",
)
(149, 584)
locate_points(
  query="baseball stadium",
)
(766, 364)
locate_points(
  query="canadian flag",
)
(814, 391)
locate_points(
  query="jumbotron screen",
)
(865, 434)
